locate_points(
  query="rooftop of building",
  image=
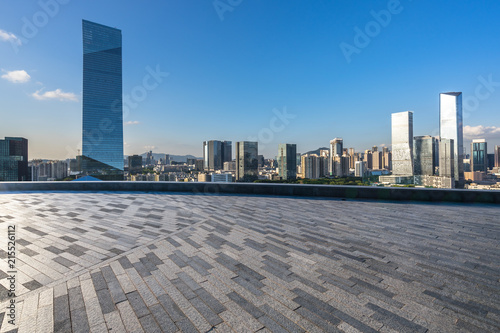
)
(135, 261)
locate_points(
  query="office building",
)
(215, 153)
(402, 143)
(166, 159)
(479, 155)
(246, 161)
(102, 139)
(360, 169)
(424, 155)
(447, 158)
(222, 178)
(491, 161)
(14, 159)
(336, 149)
(451, 127)
(134, 164)
(287, 161)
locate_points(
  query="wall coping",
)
(277, 189)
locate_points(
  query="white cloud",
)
(9, 37)
(132, 122)
(16, 76)
(481, 132)
(55, 94)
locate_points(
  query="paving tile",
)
(252, 264)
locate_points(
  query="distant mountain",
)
(316, 151)
(175, 158)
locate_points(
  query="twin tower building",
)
(428, 156)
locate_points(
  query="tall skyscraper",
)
(451, 127)
(402, 143)
(102, 140)
(215, 153)
(14, 159)
(246, 161)
(447, 158)
(287, 161)
(497, 156)
(479, 155)
(423, 155)
(336, 149)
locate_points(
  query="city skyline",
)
(238, 75)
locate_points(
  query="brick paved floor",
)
(136, 262)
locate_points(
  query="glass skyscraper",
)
(424, 154)
(247, 165)
(215, 153)
(102, 140)
(479, 155)
(451, 127)
(402, 143)
(14, 159)
(287, 161)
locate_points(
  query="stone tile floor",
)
(146, 262)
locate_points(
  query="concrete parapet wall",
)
(328, 191)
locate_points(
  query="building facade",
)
(451, 127)
(247, 165)
(134, 164)
(424, 155)
(336, 149)
(102, 139)
(497, 156)
(287, 161)
(402, 143)
(447, 158)
(215, 153)
(479, 155)
(360, 169)
(14, 159)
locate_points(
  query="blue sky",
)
(236, 67)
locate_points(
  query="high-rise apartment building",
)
(14, 159)
(247, 168)
(497, 156)
(451, 127)
(479, 155)
(447, 158)
(287, 161)
(312, 166)
(336, 149)
(387, 158)
(402, 143)
(377, 159)
(423, 155)
(102, 139)
(215, 153)
(368, 159)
